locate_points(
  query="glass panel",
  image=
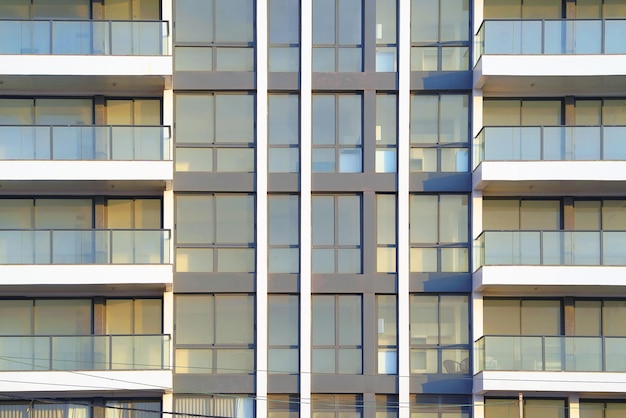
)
(424, 219)
(194, 118)
(234, 21)
(587, 215)
(284, 260)
(284, 160)
(62, 316)
(194, 159)
(234, 59)
(234, 319)
(349, 320)
(454, 322)
(424, 58)
(234, 118)
(387, 324)
(454, 160)
(323, 360)
(501, 317)
(423, 260)
(282, 360)
(386, 22)
(424, 320)
(541, 317)
(323, 223)
(194, 360)
(63, 213)
(455, 260)
(455, 58)
(348, 220)
(194, 260)
(323, 320)
(193, 58)
(423, 160)
(283, 119)
(283, 320)
(190, 311)
(235, 219)
(235, 361)
(349, 22)
(425, 21)
(425, 119)
(194, 219)
(283, 220)
(284, 18)
(424, 361)
(613, 316)
(195, 18)
(453, 219)
(454, 20)
(324, 120)
(541, 112)
(540, 215)
(324, 22)
(349, 361)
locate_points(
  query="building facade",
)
(312, 208)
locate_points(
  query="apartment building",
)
(312, 208)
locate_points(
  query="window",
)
(224, 344)
(337, 132)
(42, 409)
(240, 406)
(215, 132)
(132, 409)
(336, 226)
(283, 333)
(283, 233)
(215, 233)
(439, 233)
(533, 408)
(284, 133)
(283, 406)
(386, 36)
(214, 35)
(521, 214)
(386, 132)
(440, 334)
(284, 35)
(600, 409)
(387, 334)
(440, 35)
(525, 9)
(522, 317)
(336, 334)
(439, 133)
(337, 38)
(386, 233)
(522, 112)
(387, 406)
(600, 318)
(440, 406)
(336, 406)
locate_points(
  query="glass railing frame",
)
(479, 248)
(164, 247)
(163, 41)
(164, 151)
(479, 37)
(35, 363)
(566, 360)
(478, 144)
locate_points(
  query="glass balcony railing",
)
(559, 353)
(91, 246)
(550, 143)
(83, 37)
(119, 143)
(550, 248)
(551, 37)
(84, 352)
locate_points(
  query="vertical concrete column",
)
(261, 208)
(404, 119)
(306, 51)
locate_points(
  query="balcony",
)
(538, 362)
(549, 158)
(547, 260)
(84, 352)
(83, 37)
(115, 362)
(85, 257)
(135, 55)
(535, 51)
(139, 154)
